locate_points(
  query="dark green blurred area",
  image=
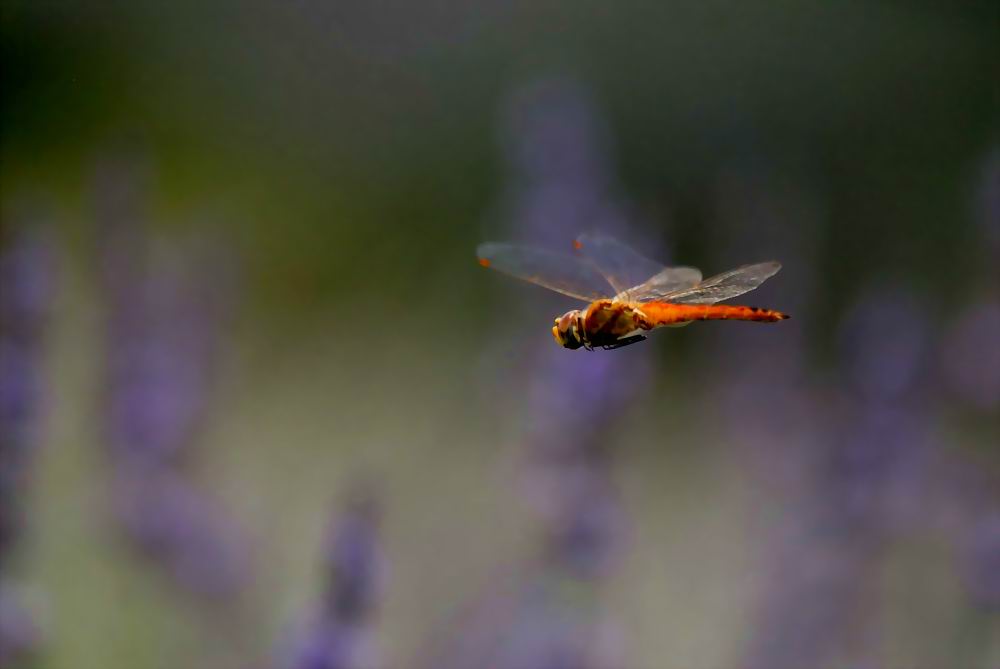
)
(350, 144)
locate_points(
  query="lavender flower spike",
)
(25, 292)
(340, 635)
(165, 331)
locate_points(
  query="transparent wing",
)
(726, 285)
(621, 266)
(560, 272)
(670, 280)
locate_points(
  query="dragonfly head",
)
(568, 328)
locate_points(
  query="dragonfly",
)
(627, 293)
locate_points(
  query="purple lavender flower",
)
(181, 528)
(884, 345)
(970, 368)
(26, 282)
(770, 423)
(558, 153)
(552, 616)
(341, 634)
(165, 316)
(20, 635)
(25, 294)
(980, 560)
(862, 484)
(970, 359)
(559, 183)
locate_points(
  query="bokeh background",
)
(259, 406)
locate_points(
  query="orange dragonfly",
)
(628, 293)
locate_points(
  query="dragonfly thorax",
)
(568, 329)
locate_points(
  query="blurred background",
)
(259, 406)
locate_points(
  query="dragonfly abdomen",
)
(659, 314)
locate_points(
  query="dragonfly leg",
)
(624, 342)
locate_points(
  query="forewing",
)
(560, 272)
(726, 285)
(621, 266)
(671, 279)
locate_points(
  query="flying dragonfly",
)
(628, 294)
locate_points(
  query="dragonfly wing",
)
(669, 280)
(726, 285)
(621, 266)
(560, 272)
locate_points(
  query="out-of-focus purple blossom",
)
(551, 617)
(26, 287)
(166, 311)
(26, 283)
(585, 531)
(883, 345)
(26, 266)
(969, 362)
(181, 527)
(20, 391)
(964, 495)
(559, 183)
(354, 562)
(759, 380)
(162, 366)
(980, 560)
(964, 506)
(970, 357)
(340, 634)
(558, 151)
(870, 463)
(815, 589)
(20, 635)
(883, 461)
(552, 134)
(336, 646)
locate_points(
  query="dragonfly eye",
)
(566, 331)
